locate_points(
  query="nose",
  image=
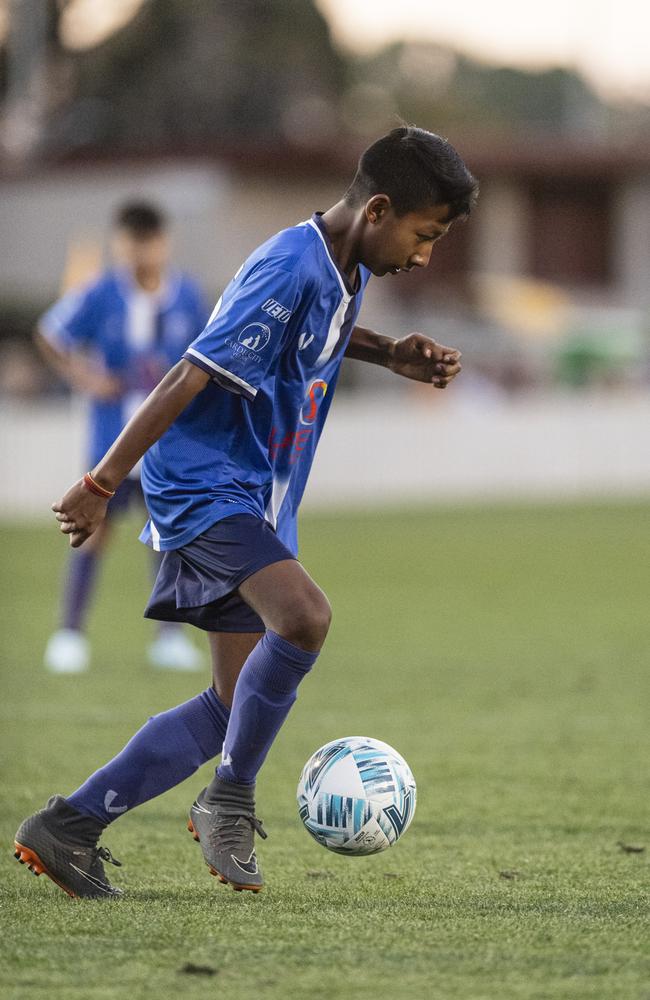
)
(419, 259)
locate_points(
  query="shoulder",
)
(80, 298)
(104, 285)
(101, 293)
(291, 253)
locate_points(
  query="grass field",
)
(504, 652)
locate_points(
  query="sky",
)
(607, 40)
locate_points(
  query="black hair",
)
(140, 218)
(416, 169)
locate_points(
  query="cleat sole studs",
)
(26, 856)
(236, 887)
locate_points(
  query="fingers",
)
(444, 377)
(450, 370)
(449, 353)
(76, 535)
(78, 514)
(430, 349)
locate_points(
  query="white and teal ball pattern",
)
(356, 796)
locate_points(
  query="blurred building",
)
(573, 215)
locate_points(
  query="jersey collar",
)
(164, 296)
(317, 222)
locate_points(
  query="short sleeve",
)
(247, 330)
(71, 321)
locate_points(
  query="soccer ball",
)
(356, 796)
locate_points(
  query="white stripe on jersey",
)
(278, 493)
(310, 222)
(155, 536)
(334, 332)
(338, 318)
(222, 371)
(215, 311)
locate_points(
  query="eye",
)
(426, 239)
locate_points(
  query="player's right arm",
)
(80, 511)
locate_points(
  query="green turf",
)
(504, 652)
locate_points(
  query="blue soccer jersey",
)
(274, 343)
(131, 334)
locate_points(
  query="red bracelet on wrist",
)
(95, 488)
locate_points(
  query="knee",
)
(307, 622)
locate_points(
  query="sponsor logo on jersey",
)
(294, 441)
(276, 310)
(313, 399)
(255, 337)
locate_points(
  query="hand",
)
(422, 359)
(92, 382)
(79, 513)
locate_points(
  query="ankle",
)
(80, 828)
(230, 793)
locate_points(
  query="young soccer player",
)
(113, 341)
(230, 435)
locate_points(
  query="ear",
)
(377, 208)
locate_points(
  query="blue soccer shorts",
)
(198, 583)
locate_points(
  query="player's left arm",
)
(416, 356)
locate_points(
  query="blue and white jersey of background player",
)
(275, 342)
(134, 335)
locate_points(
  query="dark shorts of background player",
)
(198, 582)
(129, 493)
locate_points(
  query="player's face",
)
(401, 242)
(148, 254)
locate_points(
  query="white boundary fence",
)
(396, 451)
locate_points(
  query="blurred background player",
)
(113, 340)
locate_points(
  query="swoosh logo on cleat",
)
(248, 867)
(197, 807)
(93, 881)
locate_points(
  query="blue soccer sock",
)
(169, 748)
(79, 586)
(265, 691)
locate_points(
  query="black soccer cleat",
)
(226, 831)
(61, 843)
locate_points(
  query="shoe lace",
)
(105, 855)
(95, 856)
(231, 834)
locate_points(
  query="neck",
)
(149, 279)
(344, 229)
